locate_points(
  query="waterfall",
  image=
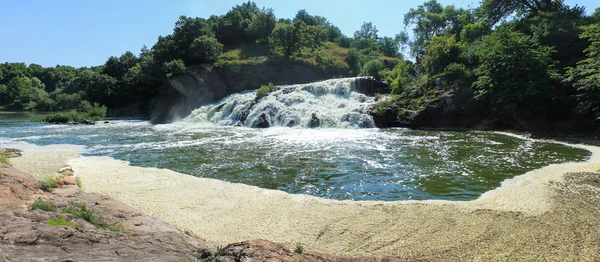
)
(330, 103)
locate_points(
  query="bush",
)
(60, 221)
(372, 68)
(97, 112)
(43, 205)
(264, 91)
(81, 211)
(65, 117)
(49, 183)
(4, 159)
(299, 248)
(205, 49)
(174, 68)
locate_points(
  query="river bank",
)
(547, 214)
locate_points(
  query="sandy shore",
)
(542, 215)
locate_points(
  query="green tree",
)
(262, 25)
(117, 67)
(389, 46)
(289, 39)
(367, 31)
(174, 68)
(516, 74)
(186, 30)
(441, 52)
(96, 87)
(372, 68)
(204, 49)
(585, 77)
(496, 10)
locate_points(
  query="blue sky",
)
(86, 33)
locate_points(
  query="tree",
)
(431, 19)
(585, 77)
(372, 68)
(96, 87)
(516, 74)
(187, 29)
(289, 39)
(204, 49)
(496, 10)
(174, 68)
(389, 46)
(164, 50)
(262, 25)
(440, 52)
(117, 67)
(367, 31)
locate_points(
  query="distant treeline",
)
(135, 78)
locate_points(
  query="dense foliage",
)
(534, 59)
(245, 32)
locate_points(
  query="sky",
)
(85, 33)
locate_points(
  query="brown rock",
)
(69, 180)
(263, 250)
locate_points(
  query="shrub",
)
(65, 117)
(4, 159)
(49, 183)
(205, 49)
(372, 68)
(81, 211)
(60, 221)
(264, 91)
(117, 228)
(299, 248)
(97, 112)
(43, 205)
(174, 68)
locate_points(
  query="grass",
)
(254, 54)
(117, 228)
(81, 211)
(65, 117)
(49, 183)
(60, 221)
(96, 113)
(299, 248)
(43, 205)
(4, 159)
(79, 183)
(264, 91)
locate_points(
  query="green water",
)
(357, 164)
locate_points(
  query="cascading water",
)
(331, 103)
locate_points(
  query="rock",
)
(262, 121)
(263, 250)
(26, 236)
(314, 121)
(371, 86)
(10, 152)
(291, 123)
(69, 180)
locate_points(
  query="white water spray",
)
(330, 103)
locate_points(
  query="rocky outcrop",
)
(450, 110)
(25, 234)
(262, 250)
(202, 85)
(119, 232)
